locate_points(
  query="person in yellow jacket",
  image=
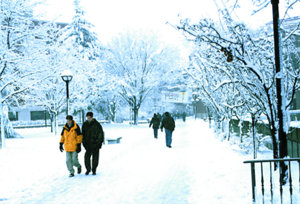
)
(71, 138)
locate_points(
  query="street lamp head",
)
(67, 75)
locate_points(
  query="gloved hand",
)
(61, 147)
(78, 148)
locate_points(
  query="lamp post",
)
(67, 76)
(279, 90)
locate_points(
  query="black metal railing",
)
(277, 190)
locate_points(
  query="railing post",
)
(262, 181)
(271, 182)
(283, 194)
(291, 182)
(253, 181)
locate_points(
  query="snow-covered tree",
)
(70, 47)
(19, 56)
(49, 92)
(237, 67)
(262, 4)
(82, 55)
(137, 63)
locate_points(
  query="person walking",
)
(183, 116)
(155, 124)
(93, 137)
(71, 139)
(169, 124)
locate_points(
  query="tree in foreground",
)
(237, 66)
(20, 56)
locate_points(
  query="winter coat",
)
(168, 123)
(93, 135)
(155, 123)
(159, 116)
(70, 137)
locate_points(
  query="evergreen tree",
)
(82, 54)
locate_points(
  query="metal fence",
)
(272, 188)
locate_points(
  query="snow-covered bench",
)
(113, 140)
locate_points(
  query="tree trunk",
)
(254, 136)
(2, 126)
(240, 123)
(112, 111)
(7, 130)
(51, 121)
(56, 125)
(114, 117)
(195, 110)
(135, 115)
(274, 142)
(228, 129)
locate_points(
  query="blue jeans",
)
(155, 132)
(168, 137)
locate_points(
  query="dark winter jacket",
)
(168, 123)
(159, 116)
(155, 122)
(93, 135)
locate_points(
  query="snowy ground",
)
(140, 170)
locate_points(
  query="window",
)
(39, 115)
(298, 41)
(13, 116)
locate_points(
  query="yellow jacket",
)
(70, 137)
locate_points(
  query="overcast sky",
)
(111, 17)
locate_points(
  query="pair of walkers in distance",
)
(92, 137)
(167, 122)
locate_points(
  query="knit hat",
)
(89, 114)
(69, 117)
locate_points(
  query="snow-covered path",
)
(198, 169)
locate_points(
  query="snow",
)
(198, 169)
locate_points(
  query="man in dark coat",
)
(155, 124)
(169, 124)
(93, 137)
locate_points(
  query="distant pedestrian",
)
(93, 137)
(183, 116)
(71, 138)
(169, 124)
(155, 124)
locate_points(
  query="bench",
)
(115, 140)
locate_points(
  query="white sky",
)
(111, 17)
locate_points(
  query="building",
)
(290, 27)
